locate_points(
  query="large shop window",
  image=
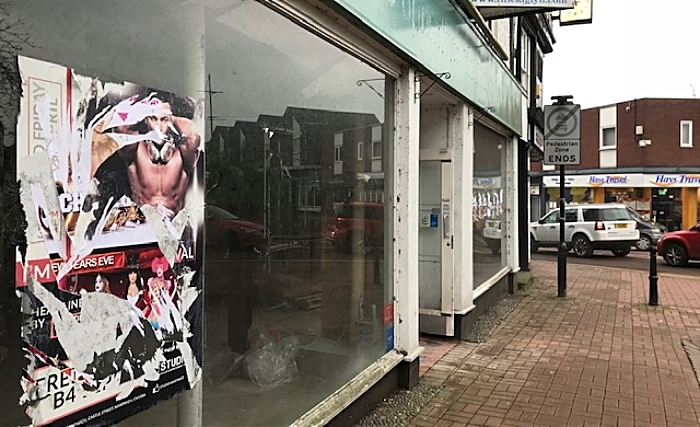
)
(297, 299)
(488, 204)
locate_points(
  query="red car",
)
(677, 247)
(225, 231)
(356, 224)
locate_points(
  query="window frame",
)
(688, 123)
(525, 63)
(338, 154)
(309, 197)
(602, 145)
(375, 144)
(568, 215)
(548, 218)
(360, 148)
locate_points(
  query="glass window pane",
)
(609, 137)
(614, 214)
(303, 304)
(686, 134)
(376, 149)
(552, 218)
(296, 285)
(488, 204)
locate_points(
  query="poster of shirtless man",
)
(111, 182)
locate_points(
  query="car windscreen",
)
(636, 215)
(343, 211)
(357, 211)
(214, 212)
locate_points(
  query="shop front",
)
(668, 198)
(284, 313)
(224, 205)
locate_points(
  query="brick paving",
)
(600, 357)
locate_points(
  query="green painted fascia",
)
(436, 34)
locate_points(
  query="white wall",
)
(608, 118)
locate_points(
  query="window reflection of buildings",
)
(311, 165)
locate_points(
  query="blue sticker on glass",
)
(433, 220)
(389, 338)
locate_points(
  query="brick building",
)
(641, 152)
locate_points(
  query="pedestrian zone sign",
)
(562, 134)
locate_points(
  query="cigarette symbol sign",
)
(562, 121)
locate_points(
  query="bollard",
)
(653, 278)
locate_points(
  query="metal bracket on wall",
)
(366, 82)
(478, 115)
(445, 75)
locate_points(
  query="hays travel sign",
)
(616, 180)
(608, 180)
(626, 180)
(675, 180)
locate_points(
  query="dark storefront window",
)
(297, 298)
(667, 207)
(297, 310)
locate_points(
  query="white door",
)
(435, 248)
(548, 230)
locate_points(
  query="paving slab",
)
(599, 357)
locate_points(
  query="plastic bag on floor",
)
(272, 361)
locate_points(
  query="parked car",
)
(649, 232)
(356, 224)
(492, 234)
(227, 232)
(588, 227)
(678, 247)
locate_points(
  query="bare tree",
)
(12, 40)
(12, 219)
(12, 223)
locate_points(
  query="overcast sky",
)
(633, 49)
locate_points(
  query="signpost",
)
(562, 146)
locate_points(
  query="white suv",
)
(588, 227)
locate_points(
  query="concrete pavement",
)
(600, 357)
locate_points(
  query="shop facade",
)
(668, 198)
(347, 190)
(638, 152)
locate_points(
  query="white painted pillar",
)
(189, 404)
(510, 214)
(190, 408)
(463, 159)
(405, 215)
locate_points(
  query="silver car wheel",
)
(644, 243)
(675, 255)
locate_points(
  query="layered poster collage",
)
(111, 182)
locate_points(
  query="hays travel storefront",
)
(668, 198)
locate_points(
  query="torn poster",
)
(111, 178)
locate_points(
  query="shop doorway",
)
(667, 207)
(435, 248)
